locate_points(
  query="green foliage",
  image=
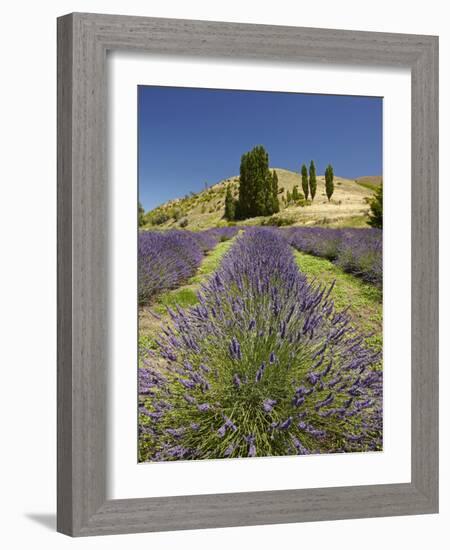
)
(372, 186)
(229, 205)
(279, 221)
(141, 215)
(256, 186)
(184, 223)
(158, 217)
(280, 190)
(305, 185)
(312, 180)
(376, 209)
(303, 202)
(295, 195)
(275, 205)
(329, 184)
(288, 197)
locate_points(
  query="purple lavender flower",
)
(327, 401)
(229, 450)
(313, 378)
(269, 404)
(260, 372)
(237, 381)
(235, 349)
(250, 439)
(301, 450)
(286, 424)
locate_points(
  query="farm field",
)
(259, 341)
(260, 274)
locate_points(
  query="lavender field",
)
(167, 259)
(356, 251)
(276, 354)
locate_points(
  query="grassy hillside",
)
(370, 182)
(348, 206)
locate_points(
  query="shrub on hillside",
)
(279, 221)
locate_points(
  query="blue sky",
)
(189, 136)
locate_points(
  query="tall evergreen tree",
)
(262, 177)
(376, 209)
(329, 183)
(288, 196)
(255, 185)
(305, 185)
(275, 201)
(245, 191)
(312, 180)
(295, 195)
(229, 205)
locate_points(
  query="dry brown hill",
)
(348, 206)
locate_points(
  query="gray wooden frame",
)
(83, 40)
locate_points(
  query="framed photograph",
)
(247, 274)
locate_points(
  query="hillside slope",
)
(348, 206)
(370, 182)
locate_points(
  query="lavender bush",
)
(262, 366)
(356, 251)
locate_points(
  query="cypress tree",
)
(329, 183)
(376, 209)
(312, 180)
(295, 195)
(305, 186)
(255, 185)
(288, 197)
(262, 205)
(275, 202)
(229, 205)
(244, 187)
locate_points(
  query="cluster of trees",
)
(309, 184)
(258, 188)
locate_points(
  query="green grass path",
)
(186, 295)
(364, 300)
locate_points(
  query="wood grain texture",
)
(83, 40)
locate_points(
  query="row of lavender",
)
(262, 366)
(356, 251)
(166, 260)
